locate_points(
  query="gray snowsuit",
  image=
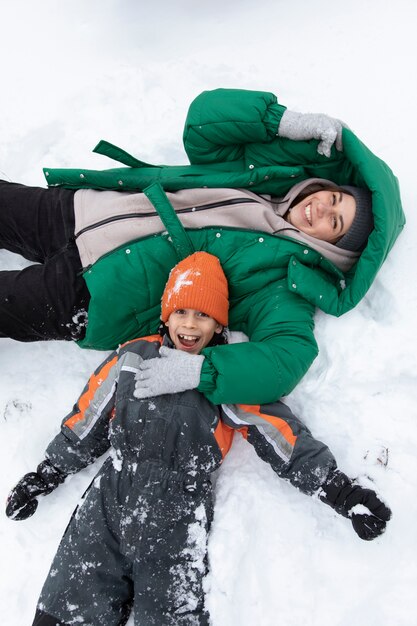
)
(140, 533)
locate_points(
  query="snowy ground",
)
(74, 72)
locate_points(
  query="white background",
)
(73, 72)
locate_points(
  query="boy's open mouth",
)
(188, 341)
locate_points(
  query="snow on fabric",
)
(183, 280)
(276, 556)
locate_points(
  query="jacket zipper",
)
(203, 207)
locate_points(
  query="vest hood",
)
(368, 171)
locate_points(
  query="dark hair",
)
(218, 339)
(356, 237)
(314, 188)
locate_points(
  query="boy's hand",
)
(173, 372)
(305, 126)
(369, 515)
(22, 500)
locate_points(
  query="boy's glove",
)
(368, 514)
(21, 501)
(305, 126)
(173, 372)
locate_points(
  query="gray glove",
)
(173, 372)
(305, 126)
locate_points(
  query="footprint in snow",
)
(15, 408)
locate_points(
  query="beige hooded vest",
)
(105, 220)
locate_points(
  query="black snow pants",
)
(139, 538)
(47, 300)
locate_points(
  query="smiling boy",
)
(139, 538)
(195, 302)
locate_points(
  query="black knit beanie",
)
(356, 237)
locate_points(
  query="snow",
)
(180, 281)
(75, 72)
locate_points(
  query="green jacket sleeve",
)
(280, 351)
(220, 122)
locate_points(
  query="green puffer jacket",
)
(275, 283)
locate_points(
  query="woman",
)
(235, 139)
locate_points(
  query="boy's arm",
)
(83, 438)
(283, 441)
(84, 431)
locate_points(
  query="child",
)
(140, 534)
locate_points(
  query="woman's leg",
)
(48, 301)
(35, 222)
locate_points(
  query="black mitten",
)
(21, 502)
(343, 495)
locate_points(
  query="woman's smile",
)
(325, 215)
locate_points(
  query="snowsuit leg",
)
(171, 562)
(89, 581)
(139, 532)
(48, 300)
(43, 619)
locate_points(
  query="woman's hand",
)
(305, 126)
(173, 372)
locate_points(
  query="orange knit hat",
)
(197, 282)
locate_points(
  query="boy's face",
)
(191, 330)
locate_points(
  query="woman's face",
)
(326, 215)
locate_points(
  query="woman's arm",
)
(280, 351)
(221, 122)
